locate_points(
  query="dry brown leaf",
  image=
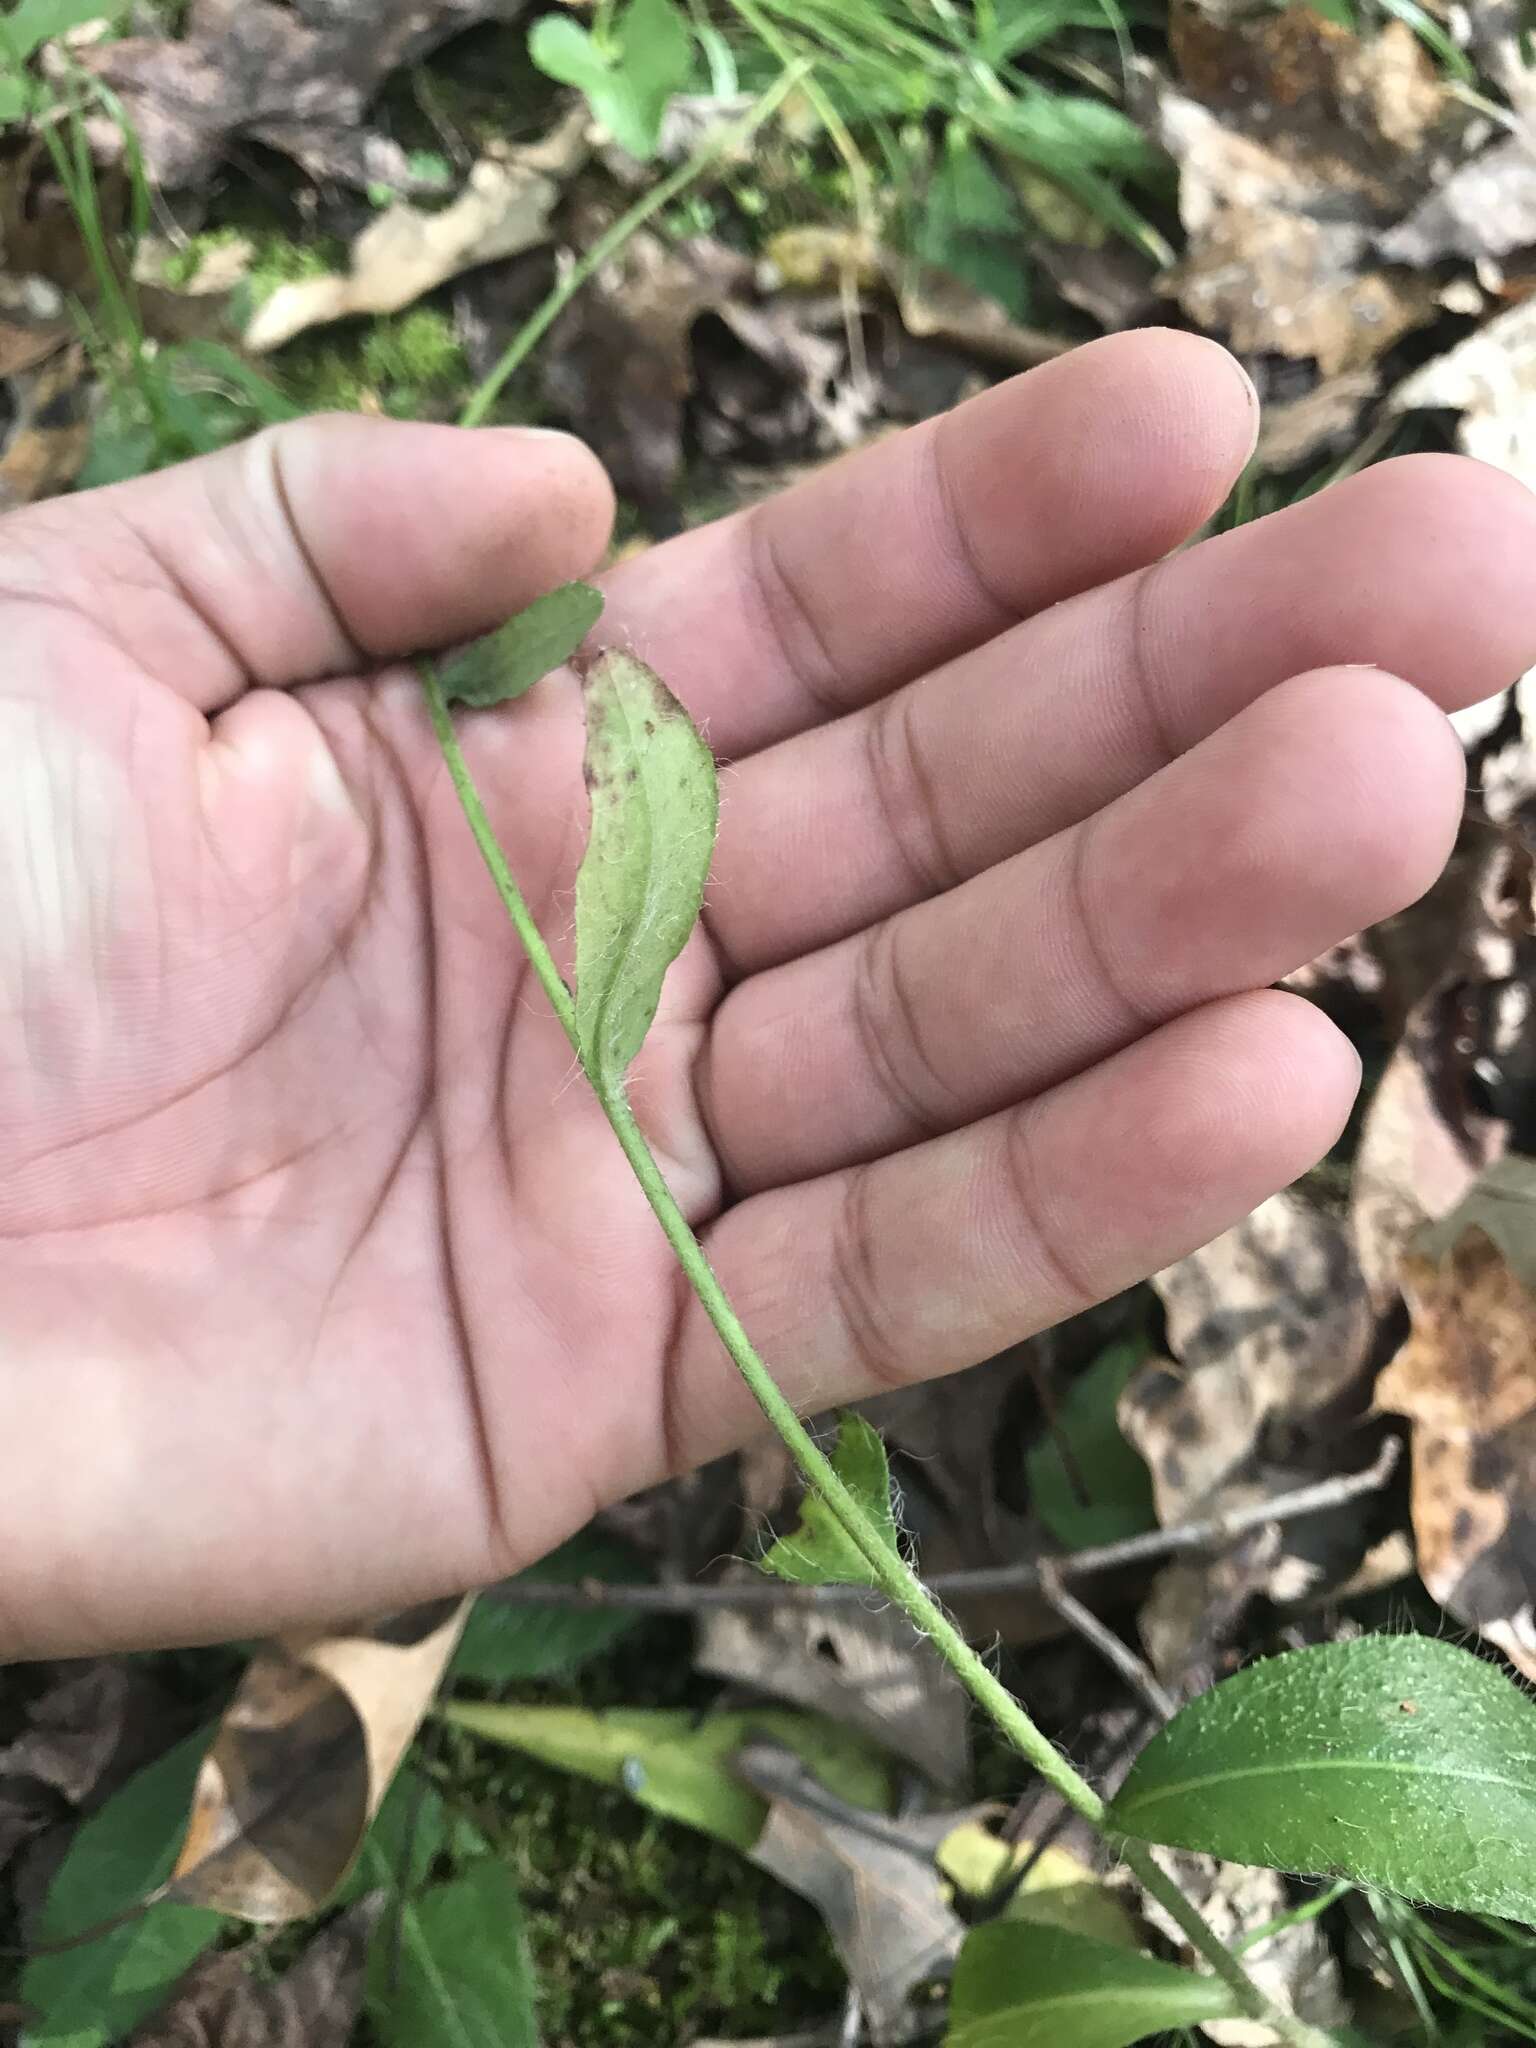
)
(1323, 421)
(45, 443)
(302, 1760)
(1296, 1967)
(87, 1728)
(618, 364)
(1490, 380)
(865, 1667)
(1465, 1381)
(314, 2004)
(504, 209)
(875, 1882)
(1270, 1326)
(299, 79)
(1458, 1083)
(1486, 207)
(1297, 142)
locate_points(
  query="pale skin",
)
(323, 1285)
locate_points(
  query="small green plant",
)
(23, 32)
(1402, 1764)
(629, 65)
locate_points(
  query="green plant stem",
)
(586, 266)
(887, 1569)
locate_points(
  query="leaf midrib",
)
(1292, 1769)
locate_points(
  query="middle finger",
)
(1420, 566)
(1330, 803)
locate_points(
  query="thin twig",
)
(1139, 1676)
(1025, 1575)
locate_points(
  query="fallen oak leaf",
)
(222, 2003)
(302, 1760)
(865, 1666)
(874, 1880)
(1297, 143)
(298, 79)
(1463, 1378)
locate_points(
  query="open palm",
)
(323, 1287)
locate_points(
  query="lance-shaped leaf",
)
(1395, 1761)
(651, 780)
(302, 1761)
(818, 1552)
(507, 663)
(679, 1766)
(1023, 1986)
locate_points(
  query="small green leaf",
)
(1117, 1484)
(89, 1996)
(1394, 1761)
(818, 1552)
(1019, 1985)
(654, 806)
(507, 663)
(502, 1642)
(679, 1766)
(460, 1975)
(631, 77)
(31, 23)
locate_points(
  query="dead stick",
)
(1119, 1655)
(1027, 1575)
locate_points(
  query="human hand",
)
(323, 1285)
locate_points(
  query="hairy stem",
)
(888, 1570)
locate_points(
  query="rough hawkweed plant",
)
(1308, 1762)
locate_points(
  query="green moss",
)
(644, 1932)
(414, 348)
(278, 259)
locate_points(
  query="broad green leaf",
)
(89, 1996)
(1116, 1481)
(503, 1642)
(1394, 1761)
(817, 1552)
(1018, 1985)
(507, 663)
(459, 1975)
(654, 805)
(656, 60)
(15, 99)
(679, 1766)
(31, 23)
(629, 78)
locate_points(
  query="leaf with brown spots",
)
(1464, 1378)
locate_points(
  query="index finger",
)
(913, 551)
